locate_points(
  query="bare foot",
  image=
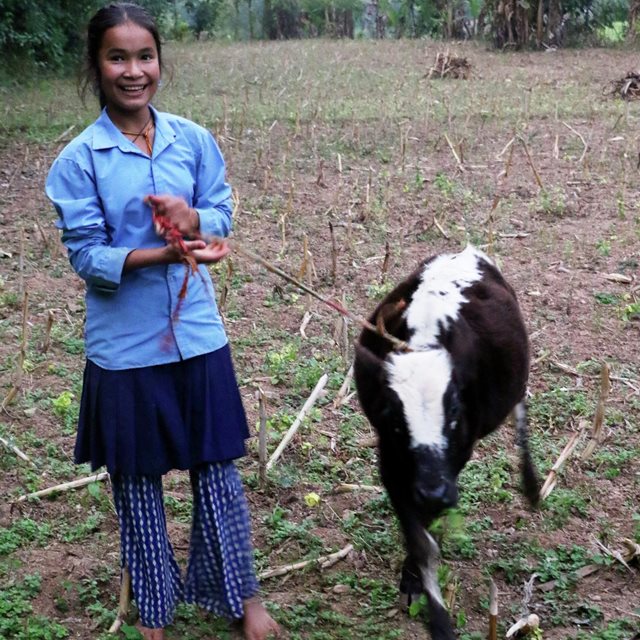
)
(150, 634)
(257, 624)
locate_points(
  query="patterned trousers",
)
(220, 573)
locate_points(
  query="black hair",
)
(113, 15)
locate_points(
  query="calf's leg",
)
(423, 551)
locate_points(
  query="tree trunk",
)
(236, 22)
(634, 11)
(555, 33)
(510, 26)
(269, 29)
(540, 23)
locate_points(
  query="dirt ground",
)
(526, 159)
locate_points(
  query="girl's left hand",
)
(177, 211)
(208, 253)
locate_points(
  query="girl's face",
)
(129, 69)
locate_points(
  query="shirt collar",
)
(107, 135)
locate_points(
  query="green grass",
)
(24, 532)
(17, 618)
(279, 109)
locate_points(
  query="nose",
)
(133, 69)
(437, 498)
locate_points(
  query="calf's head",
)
(414, 402)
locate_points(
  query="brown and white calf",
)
(465, 370)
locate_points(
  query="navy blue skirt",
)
(150, 420)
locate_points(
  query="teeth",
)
(133, 88)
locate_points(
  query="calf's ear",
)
(368, 371)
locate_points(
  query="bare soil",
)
(564, 222)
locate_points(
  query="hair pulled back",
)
(113, 15)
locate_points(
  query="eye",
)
(147, 56)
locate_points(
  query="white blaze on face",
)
(420, 378)
(438, 298)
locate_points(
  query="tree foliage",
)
(203, 15)
(49, 35)
(43, 34)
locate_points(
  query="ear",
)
(390, 316)
(369, 374)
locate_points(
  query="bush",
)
(42, 35)
(37, 35)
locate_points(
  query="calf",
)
(464, 370)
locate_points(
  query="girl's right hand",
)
(208, 253)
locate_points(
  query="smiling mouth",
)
(134, 88)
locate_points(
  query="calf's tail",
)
(530, 478)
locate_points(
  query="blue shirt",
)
(97, 185)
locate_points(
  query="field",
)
(349, 166)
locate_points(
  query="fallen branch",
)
(616, 555)
(440, 228)
(552, 478)
(506, 148)
(530, 160)
(12, 447)
(65, 486)
(455, 153)
(347, 488)
(324, 562)
(125, 601)
(574, 372)
(298, 421)
(64, 134)
(618, 277)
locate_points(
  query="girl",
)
(159, 389)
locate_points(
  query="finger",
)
(195, 245)
(220, 249)
(222, 244)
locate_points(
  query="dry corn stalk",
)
(65, 486)
(298, 421)
(324, 562)
(525, 625)
(347, 488)
(493, 611)
(125, 601)
(598, 418)
(552, 478)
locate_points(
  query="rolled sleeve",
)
(213, 196)
(84, 232)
